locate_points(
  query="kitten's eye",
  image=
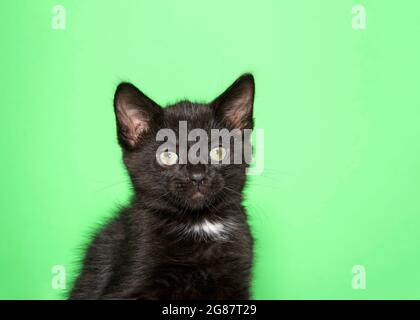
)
(218, 154)
(168, 158)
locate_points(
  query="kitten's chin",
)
(197, 200)
(198, 196)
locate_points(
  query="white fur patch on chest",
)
(209, 230)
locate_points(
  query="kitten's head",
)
(179, 172)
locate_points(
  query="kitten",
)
(185, 233)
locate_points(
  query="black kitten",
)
(185, 234)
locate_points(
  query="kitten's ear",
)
(234, 106)
(136, 114)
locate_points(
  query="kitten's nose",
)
(197, 177)
(197, 173)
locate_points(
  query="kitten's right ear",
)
(136, 114)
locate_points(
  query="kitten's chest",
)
(195, 253)
(205, 263)
(196, 271)
(205, 244)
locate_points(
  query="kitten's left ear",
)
(235, 105)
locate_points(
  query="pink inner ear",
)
(238, 112)
(138, 119)
(133, 121)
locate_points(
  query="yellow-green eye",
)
(168, 158)
(218, 154)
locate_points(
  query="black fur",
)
(145, 252)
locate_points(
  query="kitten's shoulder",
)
(112, 228)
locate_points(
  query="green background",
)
(340, 110)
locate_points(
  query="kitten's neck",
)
(217, 221)
(144, 201)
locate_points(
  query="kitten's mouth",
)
(200, 192)
(197, 195)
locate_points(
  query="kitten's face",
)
(169, 176)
